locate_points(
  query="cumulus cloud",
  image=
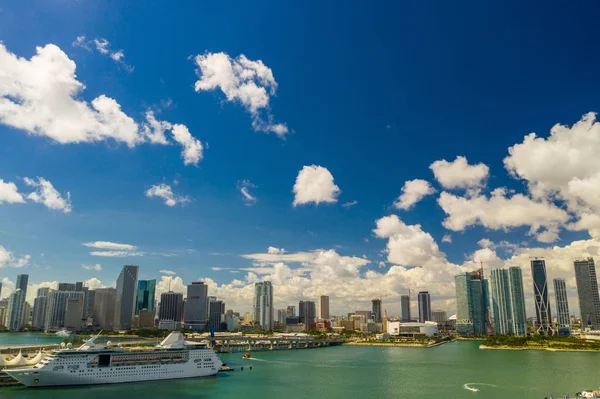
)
(8, 259)
(447, 238)
(273, 250)
(315, 184)
(459, 174)
(245, 186)
(412, 192)
(165, 192)
(170, 283)
(501, 212)
(46, 194)
(9, 193)
(250, 83)
(103, 47)
(95, 267)
(42, 96)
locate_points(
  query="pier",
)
(234, 343)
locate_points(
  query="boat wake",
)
(471, 386)
(257, 360)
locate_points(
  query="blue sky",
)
(372, 93)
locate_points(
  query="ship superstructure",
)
(97, 364)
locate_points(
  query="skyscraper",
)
(216, 313)
(439, 316)
(263, 305)
(540, 293)
(424, 301)
(306, 313)
(104, 308)
(0, 290)
(16, 301)
(472, 302)
(74, 313)
(562, 307)
(323, 307)
(22, 280)
(57, 307)
(587, 290)
(67, 287)
(291, 311)
(144, 298)
(171, 307)
(377, 311)
(517, 301)
(405, 305)
(43, 291)
(88, 305)
(196, 306)
(40, 304)
(125, 305)
(501, 303)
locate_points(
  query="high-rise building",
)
(22, 280)
(88, 305)
(125, 305)
(587, 290)
(171, 307)
(405, 305)
(323, 307)
(4, 312)
(146, 318)
(307, 313)
(562, 307)
(377, 311)
(144, 298)
(424, 301)
(38, 320)
(540, 293)
(16, 301)
(291, 311)
(57, 307)
(501, 302)
(0, 290)
(216, 313)
(79, 286)
(517, 302)
(25, 319)
(281, 316)
(472, 303)
(104, 308)
(439, 316)
(263, 305)
(196, 306)
(74, 313)
(67, 287)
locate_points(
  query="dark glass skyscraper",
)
(540, 293)
(307, 313)
(125, 305)
(377, 312)
(22, 280)
(405, 304)
(562, 307)
(216, 313)
(587, 290)
(424, 301)
(145, 295)
(517, 301)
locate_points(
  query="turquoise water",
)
(28, 338)
(368, 372)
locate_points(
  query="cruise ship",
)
(92, 364)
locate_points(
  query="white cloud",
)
(315, 184)
(95, 267)
(248, 82)
(245, 186)
(170, 283)
(42, 97)
(447, 238)
(349, 204)
(408, 245)
(103, 47)
(502, 212)
(459, 174)
(192, 151)
(7, 259)
(46, 194)
(115, 254)
(109, 245)
(9, 193)
(171, 272)
(165, 192)
(273, 250)
(412, 192)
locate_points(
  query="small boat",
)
(64, 333)
(246, 356)
(225, 367)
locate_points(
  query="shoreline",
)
(394, 344)
(509, 348)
